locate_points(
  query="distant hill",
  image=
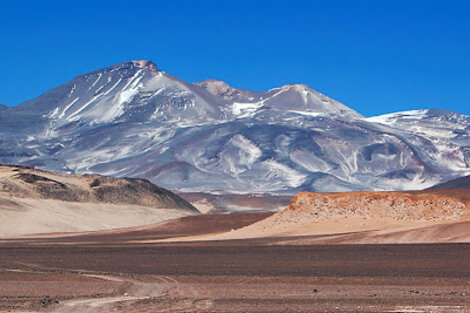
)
(34, 201)
(365, 217)
(459, 183)
(3, 107)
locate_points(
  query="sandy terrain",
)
(223, 203)
(198, 225)
(301, 223)
(370, 216)
(33, 201)
(30, 216)
(440, 233)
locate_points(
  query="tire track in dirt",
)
(147, 289)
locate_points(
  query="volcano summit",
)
(135, 120)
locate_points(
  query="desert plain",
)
(331, 252)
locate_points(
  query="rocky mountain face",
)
(135, 120)
(23, 182)
(458, 183)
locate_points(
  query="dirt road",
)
(249, 278)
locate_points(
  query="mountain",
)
(3, 107)
(34, 201)
(458, 183)
(134, 120)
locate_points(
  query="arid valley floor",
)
(337, 252)
(109, 273)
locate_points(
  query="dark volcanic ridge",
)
(32, 183)
(458, 183)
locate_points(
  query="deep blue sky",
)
(374, 56)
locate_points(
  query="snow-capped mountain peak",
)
(301, 98)
(145, 64)
(135, 120)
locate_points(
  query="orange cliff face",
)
(317, 214)
(367, 204)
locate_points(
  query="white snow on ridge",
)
(389, 118)
(244, 109)
(239, 108)
(136, 75)
(55, 113)
(97, 79)
(308, 113)
(68, 107)
(279, 171)
(424, 123)
(112, 87)
(72, 90)
(127, 94)
(74, 114)
(106, 115)
(251, 151)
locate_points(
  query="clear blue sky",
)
(374, 56)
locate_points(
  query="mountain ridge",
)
(458, 183)
(133, 119)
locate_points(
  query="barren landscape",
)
(325, 252)
(246, 276)
(234, 156)
(34, 201)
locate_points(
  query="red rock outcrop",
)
(390, 205)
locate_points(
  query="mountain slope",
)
(135, 120)
(33, 201)
(458, 183)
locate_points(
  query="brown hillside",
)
(34, 201)
(31, 183)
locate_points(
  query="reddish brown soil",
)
(124, 271)
(36, 289)
(462, 195)
(249, 278)
(180, 227)
(399, 206)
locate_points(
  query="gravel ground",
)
(229, 278)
